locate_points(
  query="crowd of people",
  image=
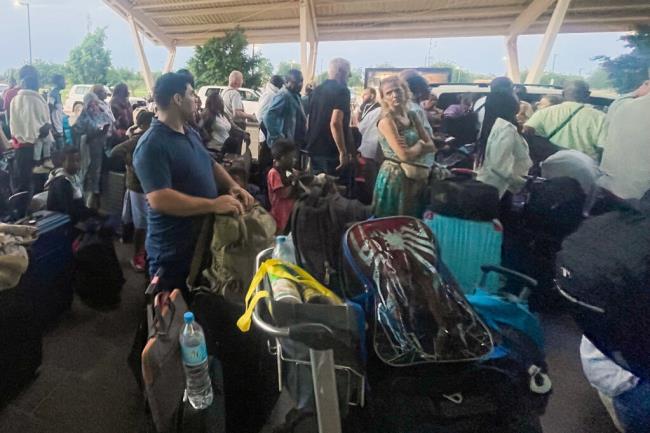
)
(172, 152)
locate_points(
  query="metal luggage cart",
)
(319, 339)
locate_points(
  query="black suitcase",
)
(463, 197)
(21, 339)
(48, 279)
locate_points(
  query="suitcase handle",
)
(530, 283)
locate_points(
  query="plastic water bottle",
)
(284, 249)
(195, 362)
(283, 289)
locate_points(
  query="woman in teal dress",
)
(403, 140)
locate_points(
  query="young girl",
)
(281, 190)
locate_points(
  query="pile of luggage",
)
(373, 318)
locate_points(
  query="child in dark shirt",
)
(64, 188)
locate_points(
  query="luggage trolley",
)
(320, 340)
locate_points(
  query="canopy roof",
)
(192, 22)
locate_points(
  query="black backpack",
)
(463, 197)
(555, 206)
(98, 277)
(603, 269)
(319, 220)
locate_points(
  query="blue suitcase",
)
(48, 280)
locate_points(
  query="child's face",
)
(72, 163)
(285, 162)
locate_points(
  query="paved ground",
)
(85, 385)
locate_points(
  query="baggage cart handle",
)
(486, 269)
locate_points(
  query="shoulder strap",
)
(565, 123)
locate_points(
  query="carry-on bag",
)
(48, 279)
(461, 196)
(320, 217)
(22, 343)
(603, 272)
(98, 277)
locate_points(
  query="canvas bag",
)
(162, 368)
(234, 244)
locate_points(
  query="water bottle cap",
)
(280, 239)
(188, 317)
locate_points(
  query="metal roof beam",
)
(148, 26)
(223, 10)
(186, 3)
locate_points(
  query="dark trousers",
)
(23, 166)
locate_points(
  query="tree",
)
(599, 79)
(283, 68)
(355, 80)
(213, 61)
(628, 71)
(460, 75)
(89, 62)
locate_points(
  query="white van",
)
(249, 97)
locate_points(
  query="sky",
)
(59, 25)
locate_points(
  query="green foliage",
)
(599, 79)
(553, 78)
(283, 68)
(628, 71)
(213, 62)
(46, 71)
(460, 75)
(89, 62)
(355, 80)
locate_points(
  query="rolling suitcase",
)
(21, 338)
(48, 280)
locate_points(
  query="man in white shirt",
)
(232, 102)
(30, 129)
(626, 155)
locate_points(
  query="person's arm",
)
(534, 125)
(388, 129)
(171, 202)
(428, 146)
(336, 128)
(123, 149)
(273, 118)
(227, 183)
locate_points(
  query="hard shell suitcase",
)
(48, 280)
(22, 342)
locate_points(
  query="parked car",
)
(249, 97)
(449, 93)
(75, 101)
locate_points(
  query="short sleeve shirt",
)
(163, 159)
(326, 98)
(232, 101)
(281, 207)
(584, 132)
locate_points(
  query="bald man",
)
(232, 102)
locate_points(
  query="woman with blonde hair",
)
(403, 175)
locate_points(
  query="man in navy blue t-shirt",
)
(181, 181)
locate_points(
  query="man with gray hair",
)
(232, 103)
(572, 124)
(329, 120)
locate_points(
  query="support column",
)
(169, 64)
(313, 56)
(139, 49)
(547, 43)
(513, 59)
(304, 30)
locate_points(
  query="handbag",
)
(162, 368)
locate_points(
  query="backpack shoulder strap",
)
(565, 123)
